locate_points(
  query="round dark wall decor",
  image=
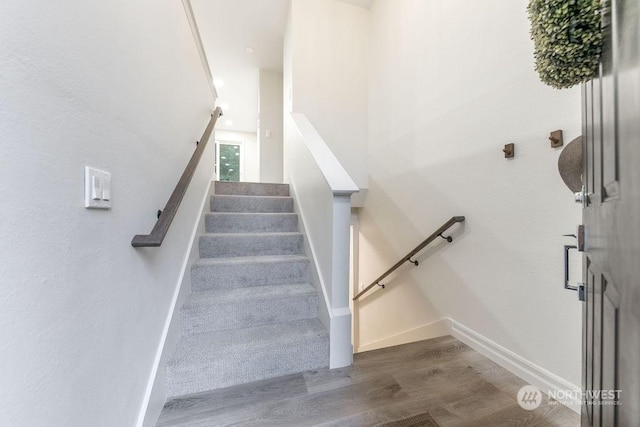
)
(567, 38)
(570, 165)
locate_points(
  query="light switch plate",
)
(97, 189)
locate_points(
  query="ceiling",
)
(227, 29)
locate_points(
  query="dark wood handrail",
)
(165, 217)
(435, 235)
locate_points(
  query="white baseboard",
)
(435, 329)
(518, 365)
(317, 280)
(156, 393)
(340, 348)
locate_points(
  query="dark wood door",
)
(611, 216)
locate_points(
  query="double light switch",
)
(97, 189)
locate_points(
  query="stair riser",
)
(251, 189)
(201, 373)
(217, 246)
(251, 204)
(246, 314)
(251, 223)
(227, 276)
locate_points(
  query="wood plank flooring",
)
(439, 382)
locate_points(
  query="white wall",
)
(452, 81)
(327, 42)
(116, 85)
(250, 152)
(270, 132)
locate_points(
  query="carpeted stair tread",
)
(251, 188)
(247, 307)
(214, 245)
(235, 272)
(252, 313)
(236, 222)
(216, 344)
(264, 259)
(251, 204)
(225, 358)
(255, 293)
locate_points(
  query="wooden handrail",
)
(165, 217)
(431, 238)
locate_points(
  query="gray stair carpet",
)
(252, 313)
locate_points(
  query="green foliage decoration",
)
(568, 40)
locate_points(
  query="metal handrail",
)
(431, 238)
(165, 216)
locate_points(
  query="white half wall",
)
(250, 152)
(457, 80)
(270, 131)
(322, 192)
(118, 86)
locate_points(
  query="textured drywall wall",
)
(451, 82)
(270, 126)
(117, 85)
(250, 167)
(328, 45)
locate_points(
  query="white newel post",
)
(341, 348)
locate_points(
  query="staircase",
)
(252, 313)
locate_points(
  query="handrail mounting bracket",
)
(447, 238)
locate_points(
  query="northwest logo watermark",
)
(530, 397)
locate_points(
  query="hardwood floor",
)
(439, 382)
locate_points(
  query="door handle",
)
(567, 248)
(578, 286)
(583, 197)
